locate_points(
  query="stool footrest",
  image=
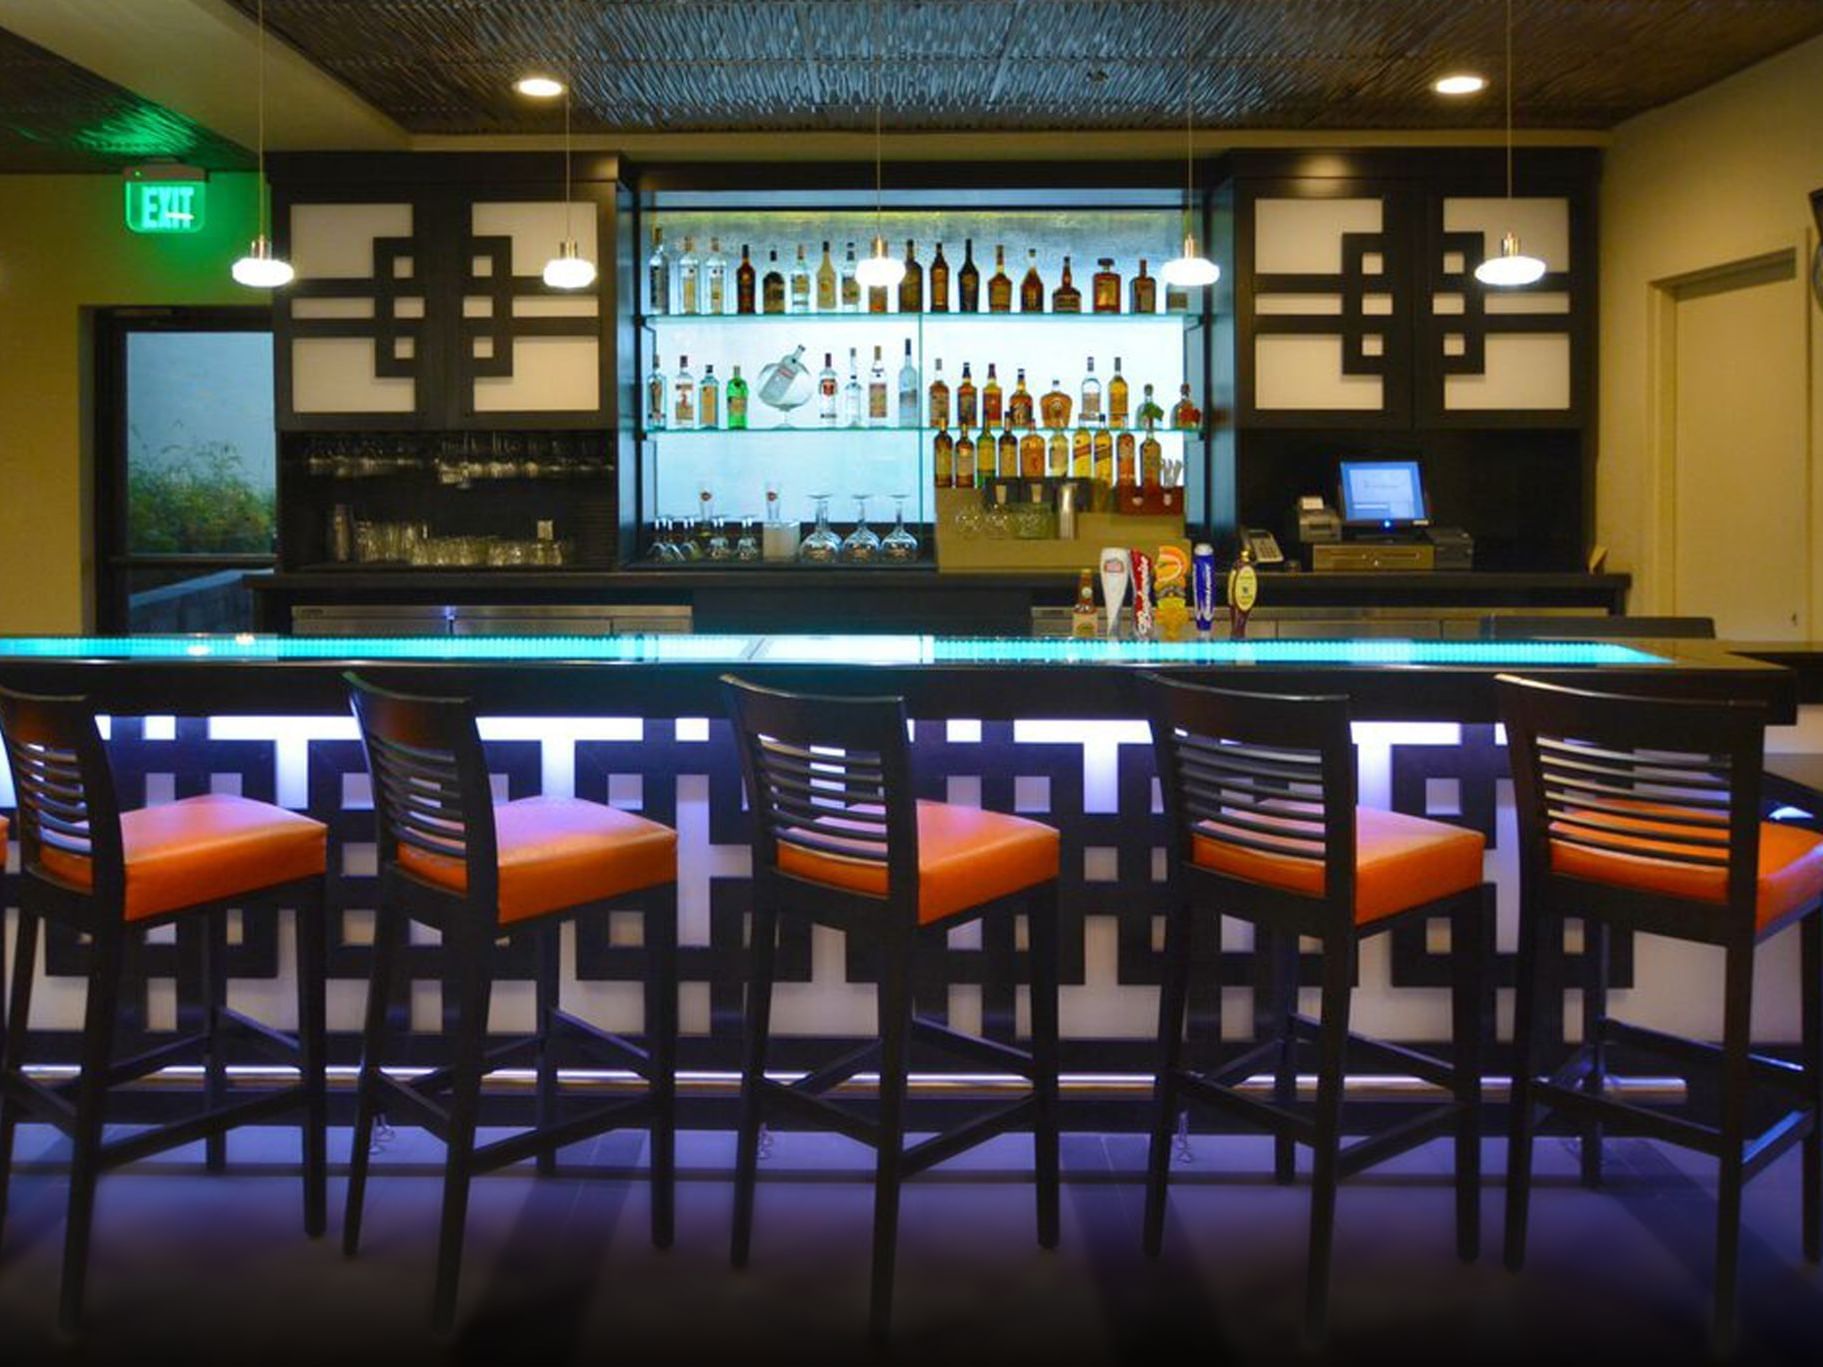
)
(835, 1073)
(928, 1153)
(423, 1110)
(275, 1044)
(1775, 1140)
(1774, 1072)
(1262, 1113)
(1553, 1095)
(1238, 1070)
(605, 1043)
(1396, 1139)
(984, 1051)
(185, 1050)
(181, 1132)
(502, 1056)
(47, 1103)
(818, 1112)
(592, 1122)
(1425, 1067)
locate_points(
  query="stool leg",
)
(1041, 940)
(1811, 995)
(1737, 1023)
(761, 953)
(1338, 955)
(91, 1101)
(1173, 997)
(661, 1044)
(1534, 930)
(311, 933)
(215, 1001)
(388, 929)
(548, 948)
(1468, 937)
(472, 953)
(25, 955)
(1283, 948)
(895, 1030)
(1595, 941)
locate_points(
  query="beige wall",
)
(64, 247)
(1721, 177)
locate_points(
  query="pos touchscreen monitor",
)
(1385, 495)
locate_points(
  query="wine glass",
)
(747, 549)
(822, 546)
(718, 548)
(862, 546)
(899, 545)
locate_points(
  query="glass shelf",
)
(742, 433)
(658, 320)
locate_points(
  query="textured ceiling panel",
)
(56, 116)
(444, 66)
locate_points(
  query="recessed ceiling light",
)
(1460, 83)
(539, 87)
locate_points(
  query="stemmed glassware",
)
(899, 545)
(822, 546)
(862, 545)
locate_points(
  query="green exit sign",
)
(165, 206)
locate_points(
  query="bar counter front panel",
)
(1048, 729)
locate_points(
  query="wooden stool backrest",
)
(64, 788)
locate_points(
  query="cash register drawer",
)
(1353, 557)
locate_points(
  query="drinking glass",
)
(718, 547)
(822, 546)
(861, 546)
(747, 549)
(899, 545)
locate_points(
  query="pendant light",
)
(1512, 269)
(569, 269)
(879, 271)
(259, 269)
(1192, 269)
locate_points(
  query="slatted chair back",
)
(431, 792)
(64, 789)
(828, 776)
(1671, 779)
(1252, 774)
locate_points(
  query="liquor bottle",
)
(827, 392)
(943, 459)
(715, 279)
(1031, 288)
(939, 399)
(683, 396)
(1150, 414)
(1126, 461)
(850, 288)
(965, 459)
(709, 399)
(968, 280)
(743, 283)
(826, 283)
(1117, 397)
(687, 278)
(737, 401)
(876, 392)
(784, 375)
(1031, 455)
(1102, 443)
(1142, 292)
(1057, 454)
(1000, 285)
(853, 400)
(908, 390)
(911, 284)
(1054, 407)
(1177, 298)
(877, 299)
(1185, 415)
(658, 276)
(1091, 395)
(772, 284)
(987, 454)
(965, 399)
(1151, 461)
(1009, 453)
(1085, 620)
(939, 282)
(658, 393)
(1106, 287)
(990, 399)
(1019, 404)
(1066, 298)
(800, 283)
(1082, 454)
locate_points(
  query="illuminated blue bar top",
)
(832, 650)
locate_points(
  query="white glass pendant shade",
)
(259, 269)
(1512, 268)
(880, 271)
(1191, 269)
(539, 87)
(569, 269)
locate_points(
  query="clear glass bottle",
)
(658, 276)
(1000, 285)
(737, 401)
(1054, 407)
(908, 389)
(877, 410)
(1031, 288)
(1117, 397)
(1106, 287)
(968, 280)
(1150, 414)
(1142, 291)
(687, 281)
(1177, 298)
(772, 284)
(991, 406)
(776, 386)
(939, 398)
(715, 279)
(854, 402)
(743, 282)
(800, 283)
(939, 282)
(1066, 298)
(827, 395)
(683, 397)
(658, 400)
(1057, 453)
(911, 284)
(850, 287)
(1185, 415)
(709, 399)
(826, 283)
(965, 399)
(1019, 404)
(1090, 408)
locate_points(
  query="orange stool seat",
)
(966, 857)
(1400, 861)
(203, 849)
(557, 853)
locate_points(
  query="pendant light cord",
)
(879, 150)
(1509, 101)
(1189, 124)
(569, 86)
(260, 85)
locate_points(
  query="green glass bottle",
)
(737, 399)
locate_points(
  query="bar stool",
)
(1643, 814)
(452, 859)
(1260, 793)
(839, 839)
(89, 866)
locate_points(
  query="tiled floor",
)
(206, 1270)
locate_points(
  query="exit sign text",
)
(165, 206)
